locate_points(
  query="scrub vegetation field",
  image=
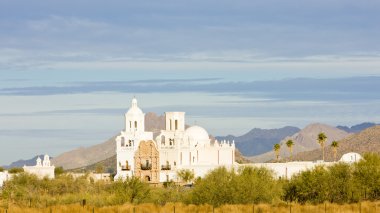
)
(338, 188)
(364, 207)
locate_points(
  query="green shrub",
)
(248, 185)
(16, 170)
(58, 171)
(366, 176)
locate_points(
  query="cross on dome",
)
(134, 102)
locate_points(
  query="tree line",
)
(339, 183)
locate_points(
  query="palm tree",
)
(290, 145)
(335, 145)
(321, 140)
(185, 175)
(276, 149)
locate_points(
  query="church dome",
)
(134, 110)
(197, 136)
(351, 157)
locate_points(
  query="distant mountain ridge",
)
(21, 163)
(365, 141)
(305, 140)
(357, 128)
(83, 157)
(258, 141)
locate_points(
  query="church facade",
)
(157, 160)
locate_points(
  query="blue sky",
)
(68, 69)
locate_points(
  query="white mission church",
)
(158, 159)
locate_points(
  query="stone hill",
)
(366, 141)
(305, 140)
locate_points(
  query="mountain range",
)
(305, 140)
(258, 141)
(367, 140)
(357, 128)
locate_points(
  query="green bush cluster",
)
(340, 183)
(247, 185)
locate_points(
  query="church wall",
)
(168, 176)
(287, 170)
(169, 156)
(122, 157)
(188, 156)
(208, 156)
(40, 172)
(226, 156)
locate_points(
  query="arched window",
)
(122, 142)
(135, 124)
(170, 124)
(176, 124)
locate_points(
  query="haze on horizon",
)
(68, 69)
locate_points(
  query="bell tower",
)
(134, 118)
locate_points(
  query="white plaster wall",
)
(208, 156)
(122, 157)
(130, 123)
(170, 155)
(170, 118)
(226, 156)
(289, 169)
(172, 176)
(41, 172)
(4, 176)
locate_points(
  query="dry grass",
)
(366, 207)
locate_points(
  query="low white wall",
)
(4, 176)
(287, 170)
(40, 171)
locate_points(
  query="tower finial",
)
(134, 102)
